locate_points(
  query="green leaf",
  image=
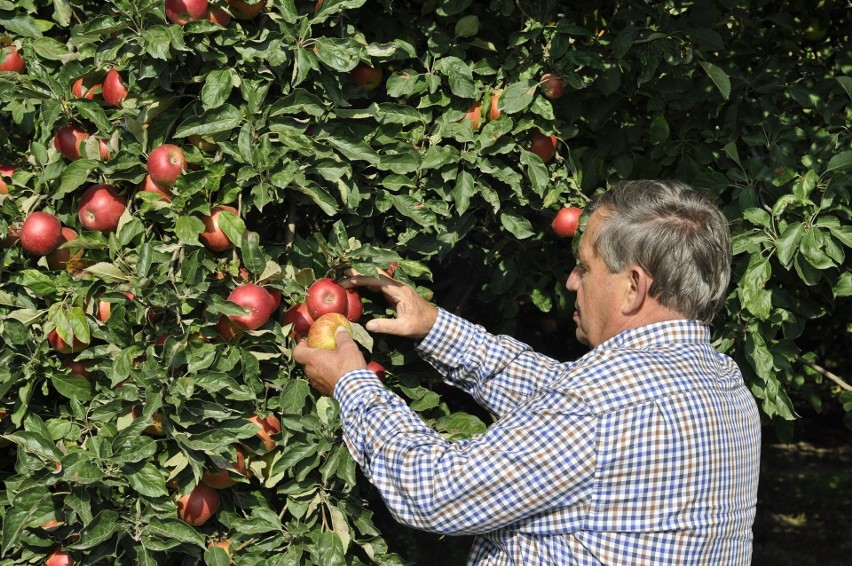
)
(463, 191)
(254, 258)
(842, 161)
(217, 88)
(518, 96)
(467, 26)
(39, 283)
(176, 529)
(788, 243)
(188, 228)
(459, 75)
(107, 272)
(73, 387)
(233, 227)
(146, 479)
(813, 249)
(98, 531)
(341, 54)
(519, 226)
(221, 119)
(719, 77)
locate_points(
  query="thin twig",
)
(832, 376)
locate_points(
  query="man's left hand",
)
(324, 368)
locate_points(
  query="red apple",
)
(218, 15)
(566, 220)
(275, 296)
(77, 368)
(165, 164)
(542, 145)
(113, 88)
(300, 318)
(85, 88)
(551, 85)
(67, 141)
(182, 12)
(474, 115)
(242, 10)
(59, 558)
(59, 258)
(103, 149)
(41, 233)
(255, 298)
(57, 343)
(5, 171)
(198, 505)
(366, 76)
(324, 296)
(105, 307)
(222, 479)
(101, 208)
(228, 331)
(377, 369)
(12, 61)
(391, 268)
(355, 308)
(494, 110)
(213, 237)
(150, 186)
(267, 427)
(323, 330)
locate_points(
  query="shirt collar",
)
(659, 333)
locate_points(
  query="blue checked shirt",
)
(645, 451)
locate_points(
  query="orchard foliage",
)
(749, 100)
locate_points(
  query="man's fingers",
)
(301, 352)
(383, 325)
(342, 337)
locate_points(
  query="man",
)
(645, 451)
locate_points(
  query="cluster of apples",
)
(181, 12)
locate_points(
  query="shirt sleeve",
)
(536, 459)
(498, 371)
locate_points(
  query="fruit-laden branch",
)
(832, 376)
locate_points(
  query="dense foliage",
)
(326, 170)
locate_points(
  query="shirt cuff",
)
(447, 341)
(354, 385)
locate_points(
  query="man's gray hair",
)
(673, 232)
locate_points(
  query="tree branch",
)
(832, 376)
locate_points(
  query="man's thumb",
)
(342, 336)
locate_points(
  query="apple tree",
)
(204, 162)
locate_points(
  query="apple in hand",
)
(165, 164)
(59, 258)
(213, 237)
(181, 12)
(198, 505)
(551, 85)
(566, 220)
(12, 62)
(323, 330)
(267, 426)
(101, 208)
(377, 369)
(41, 233)
(324, 296)
(255, 298)
(543, 145)
(113, 88)
(366, 76)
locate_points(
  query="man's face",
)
(599, 293)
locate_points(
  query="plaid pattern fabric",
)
(645, 451)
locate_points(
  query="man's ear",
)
(637, 286)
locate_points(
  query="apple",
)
(156, 426)
(493, 109)
(551, 85)
(198, 505)
(323, 330)
(213, 237)
(59, 257)
(566, 220)
(219, 16)
(474, 115)
(366, 76)
(324, 296)
(101, 208)
(67, 141)
(5, 171)
(242, 10)
(57, 343)
(182, 12)
(103, 150)
(86, 88)
(148, 185)
(355, 308)
(105, 307)
(267, 426)
(59, 558)
(228, 331)
(255, 298)
(275, 297)
(165, 164)
(12, 61)
(391, 268)
(77, 368)
(300, 318)
(113, 88)
(542, 145)
(202, 143)
(41, 233)
(222, 479)
(377, 369)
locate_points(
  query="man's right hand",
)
(415, 316)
